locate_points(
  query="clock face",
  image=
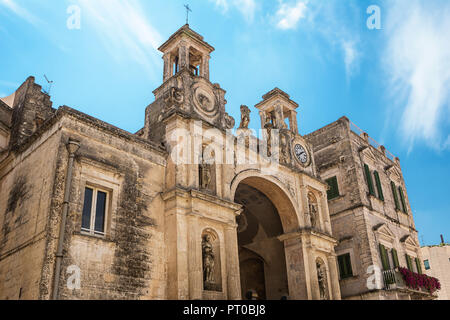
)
(301, 154)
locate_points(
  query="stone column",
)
(295, 266)
(232, 264)
(293, 122)
(205, 66)
(279, 116)
(195, 260)
(167, 66)
(183, 55)
(326, 213)
(262, 115)
(314, 280)
(334, 277)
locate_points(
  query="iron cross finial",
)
(187, 12)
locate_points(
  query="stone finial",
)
(365, 136)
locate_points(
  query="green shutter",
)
(334, 188)
(379, 188)
(369, 180)
(395, 258)
(384, 257)
(394, 193)
(402, 198)
(409, 262)
(419, 266)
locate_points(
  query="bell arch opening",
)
(267, 214)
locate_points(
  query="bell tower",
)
(186, 89)
(199, 221)
(186, 49)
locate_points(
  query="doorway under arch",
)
(262, 258)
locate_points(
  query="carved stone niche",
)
(322, 279)
(211, 261)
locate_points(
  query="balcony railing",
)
(394, 280)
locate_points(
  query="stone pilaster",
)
(232, 263)
(334, 277)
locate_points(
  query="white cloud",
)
(20, 11)
(288, 15)
(246, 7)
(418, 61)
(351, 55)
(326, 18)
(124, 30)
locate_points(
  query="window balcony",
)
(417, 285)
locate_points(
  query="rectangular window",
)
(379, 188)
(334, 188)
(345, 266)
(402, 199)
(369, 180)
(94, 211)
(394, 193)
(426, 263)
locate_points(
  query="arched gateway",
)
(232, 226)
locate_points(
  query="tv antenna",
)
(50, 83)
(188, 9)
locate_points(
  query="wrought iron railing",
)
(372, 142)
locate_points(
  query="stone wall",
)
(361, 221)
(439, 259)
(26, 184)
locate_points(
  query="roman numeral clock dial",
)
(301, 154)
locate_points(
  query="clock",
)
(301, 154)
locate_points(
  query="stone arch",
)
(277, 193)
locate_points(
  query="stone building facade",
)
(185, 208)
(437, 264)
(370, 213)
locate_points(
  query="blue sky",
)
(394, 82)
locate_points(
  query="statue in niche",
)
(323, 283)
(312, 203)
(245, 117)
(205, 170)
(208, 261)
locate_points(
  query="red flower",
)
(419, 281)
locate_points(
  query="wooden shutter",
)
(419, 266)
(395, 258)
(369, 180)
(334, 188)
(384, 257)
(409, 262)
(394, 193)
(379, 188)
(402, 198)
